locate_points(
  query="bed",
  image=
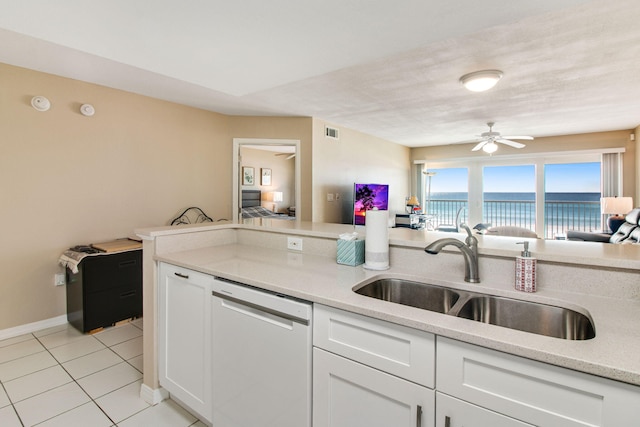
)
(251, 207)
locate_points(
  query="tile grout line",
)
(11, 400)
(58, 363)
(76, 381)
(79, 385)
(124, 360)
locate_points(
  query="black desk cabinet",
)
(106, 289)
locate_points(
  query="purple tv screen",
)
(367, 197)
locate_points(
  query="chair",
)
(452, 228)
(634, 238)
(628, 227)
(507, 230)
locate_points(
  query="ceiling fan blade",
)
(480, 145)
(510, 143)
(530, 138)
(289, 155)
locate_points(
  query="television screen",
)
(367, 197)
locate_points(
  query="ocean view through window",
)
(571, 197)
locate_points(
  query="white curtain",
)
(418, 179)
(611, 178)
(612, 175)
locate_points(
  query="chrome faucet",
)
(469, 251)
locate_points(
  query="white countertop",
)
(562, 251)
(614, 352)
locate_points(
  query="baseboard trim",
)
(32, 327)
(153, 396)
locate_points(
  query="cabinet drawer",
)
(398, 350)
(104, 272)
(108, 307)
(532, 391)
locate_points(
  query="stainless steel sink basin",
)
(528, 316)
(414, 294)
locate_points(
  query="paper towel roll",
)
(376, 243)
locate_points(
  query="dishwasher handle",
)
(278, 313)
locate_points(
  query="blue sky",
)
(559, 178)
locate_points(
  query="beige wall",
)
(355, 157)
(67, 179)
(282, 176)
(590, 141)
(282, 128)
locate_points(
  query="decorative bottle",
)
(525, 270)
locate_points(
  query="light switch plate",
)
(59, 279)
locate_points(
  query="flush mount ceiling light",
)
(479, 81)
(40, 103)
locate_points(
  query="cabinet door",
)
(532, 391)
(349, 394)
(452, 412)
(184, 337)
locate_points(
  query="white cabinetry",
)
(531, 391)
(372, 373)
(184, 337)
(452, 412)
(379, 376)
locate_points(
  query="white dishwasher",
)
(261, 355)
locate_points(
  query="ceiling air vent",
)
(331, 132)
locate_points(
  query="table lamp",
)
(413, 205)
(618, 207)
(277, 198)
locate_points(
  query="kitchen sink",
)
(414, 294)
(527, 316)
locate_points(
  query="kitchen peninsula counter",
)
(602, 279)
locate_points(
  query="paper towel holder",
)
(376, 256)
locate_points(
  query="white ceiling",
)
(389, 69)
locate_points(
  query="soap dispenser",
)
(525, 270)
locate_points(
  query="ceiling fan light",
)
(480, 81)
(490, 148)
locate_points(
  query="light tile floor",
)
(59, 377)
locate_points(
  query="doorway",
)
(290, 147)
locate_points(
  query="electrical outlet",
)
(59, 279)
(329, 197)
(294, 243)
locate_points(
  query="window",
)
(447, 191)
(549, 194)
(509, 196)
(570, 203)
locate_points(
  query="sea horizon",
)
(522, 196)
(563, 210)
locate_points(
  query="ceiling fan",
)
(289, 155)
(489, 139)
